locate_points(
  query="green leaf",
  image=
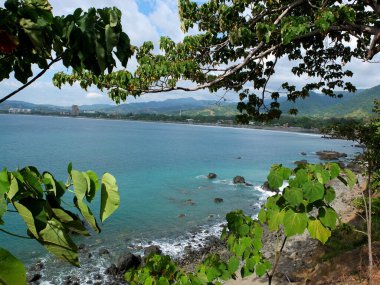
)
(293, 196)
(275, 218)
(262, 268)
(14, 188)
(328, 217)
(70, 221)
(294, 223)
(330, 195)
(94, 185)
(12, 271)
(351, 177)
(262, 216)
(87, 214)
(323, 176)
(49, 183)
(233, 264)
(110, 199)
(3, 209)
(313, 191)
(318, 231)
(55, 239)
(69, 168)
(334, 170)
(4, 182)
(80, 184)
(243, 230)
(28, 218)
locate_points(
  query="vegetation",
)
(39, 198)
(367, 134)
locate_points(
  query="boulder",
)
(127, 261)
(301, 162)
(239, 180)
(103, 251)
(248, 184)
(153, 249)
(303, 153)
(330, 155)
(34, 278)
(218, 200)
(211, 175)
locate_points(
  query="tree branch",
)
(42, 72)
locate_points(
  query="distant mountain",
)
(357, 104)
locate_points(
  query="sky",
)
(145, 20)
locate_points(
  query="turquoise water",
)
(158, 168)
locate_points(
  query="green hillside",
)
(351, 105)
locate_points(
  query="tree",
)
(31, 35)
(239, 45)
(367, 134)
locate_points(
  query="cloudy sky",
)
(147, 20)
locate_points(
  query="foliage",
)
(239, 45)
(39, 199)
(305, 204)
(31, 34)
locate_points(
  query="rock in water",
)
(211, 175)
(330, 155)
(239, 180)
(153, 249)
(126, 262)
(218, 200)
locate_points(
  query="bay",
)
(161, 172)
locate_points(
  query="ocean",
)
(161, 170)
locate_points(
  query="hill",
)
(352, 105)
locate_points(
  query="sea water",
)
(161, 170)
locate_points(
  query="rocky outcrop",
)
(152, 249)
(330, 155)
(239, 180)
(301, 162)
(211, 175)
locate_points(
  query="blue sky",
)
(147, 20)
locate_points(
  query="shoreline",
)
(233, 126)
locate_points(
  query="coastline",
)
(234, 126)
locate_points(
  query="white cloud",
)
(93, 95)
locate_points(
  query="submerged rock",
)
(303, 153)
(181, 215)
(218, 200)
(211, 175)
(239, 180)
(248, 184)
(190, 202)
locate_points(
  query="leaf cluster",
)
(85, 40)
(40, 201)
